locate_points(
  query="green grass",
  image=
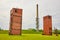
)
(27, 36)
(31, 32)
(3, 31)
(24, 32)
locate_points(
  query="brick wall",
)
(47, 25)
(15, 21)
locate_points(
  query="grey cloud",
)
(46, 7)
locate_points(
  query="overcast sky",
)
(46, 7)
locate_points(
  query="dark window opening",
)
(16, 10)
(50, 28)
(49, 17)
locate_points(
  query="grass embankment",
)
(23, 32)
(27, 35)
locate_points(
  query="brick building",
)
(47, 25)
(15, 21)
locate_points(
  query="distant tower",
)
(15, 21)
(37, 19)
(47, 25)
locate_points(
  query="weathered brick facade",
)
(47, 25)
(15, 21)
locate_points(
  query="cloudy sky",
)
(46, 7)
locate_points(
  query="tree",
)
(56, 31)
(0, 29)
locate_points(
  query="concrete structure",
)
(47, 25)
(15, 21)
(37, 19)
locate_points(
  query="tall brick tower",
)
(47, 25)
(15, 21)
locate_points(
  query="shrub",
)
(31, 29)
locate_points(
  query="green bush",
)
(31, 29)
(58, 31)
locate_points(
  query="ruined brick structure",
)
(47, 25)
(15, 21)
